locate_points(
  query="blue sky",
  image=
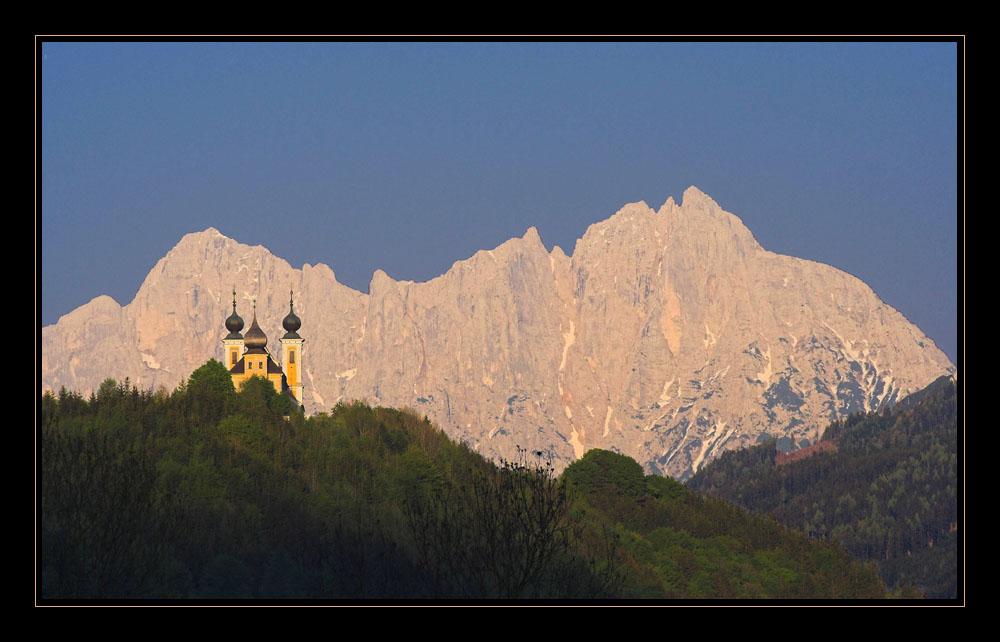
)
(409, 156)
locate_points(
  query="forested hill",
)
(886, 487)
(209, 493)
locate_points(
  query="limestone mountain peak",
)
(207, 236)
(380, 280)
(668, 204)
(694, 198)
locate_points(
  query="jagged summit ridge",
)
(669, 335)
(694, 198)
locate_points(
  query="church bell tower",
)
(291, 350)
(233, 343)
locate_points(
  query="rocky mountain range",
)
(669, 335)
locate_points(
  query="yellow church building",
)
(248, 356)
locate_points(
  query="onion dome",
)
(234, 323)
(291, 323)
(255, 339)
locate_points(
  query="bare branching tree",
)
(508, 533)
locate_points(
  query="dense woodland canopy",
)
(206, 492)
(888, 492)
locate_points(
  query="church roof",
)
(291, 323)
(255, 340)
(272, 367)
(234, 323)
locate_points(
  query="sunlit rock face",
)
(668, 335)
